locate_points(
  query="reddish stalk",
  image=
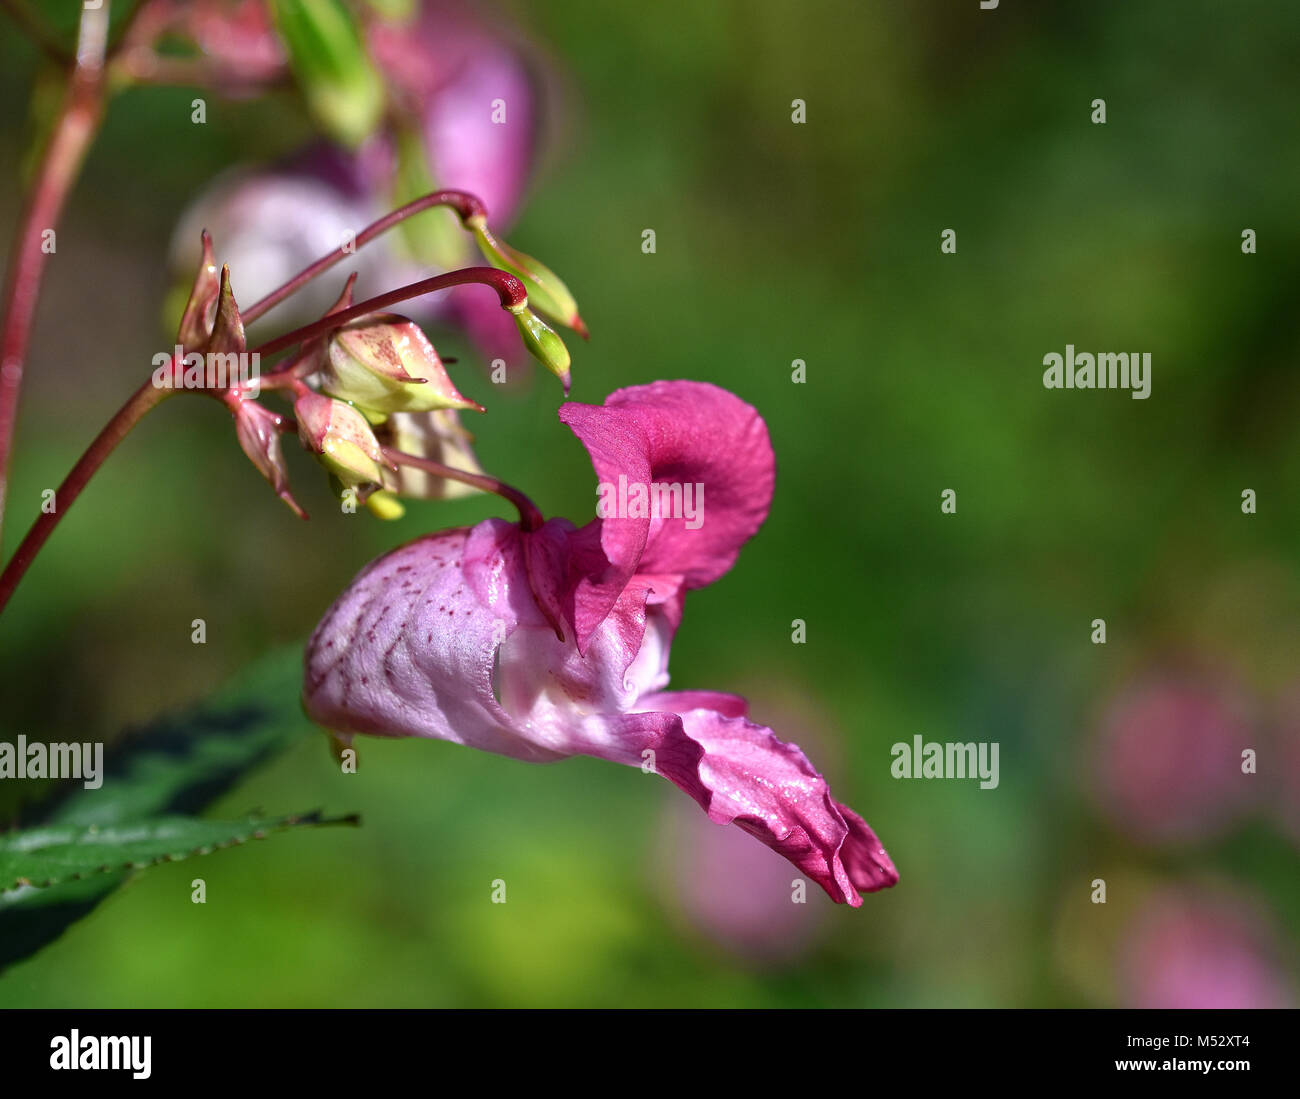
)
(465, 205)
(529, 515)
(130, 414)
(73, 132)
(509, 289)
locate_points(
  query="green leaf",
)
(44, 857)
(182, 763)
(31, 918)
(177, 764)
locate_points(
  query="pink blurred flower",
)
(1167, 758)
(268, 225)
(1286, 766)
(451, 67)
(552, 642)
(1192, 950)
(237, 34)
(732, 892)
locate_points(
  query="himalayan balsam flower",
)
(553, 642)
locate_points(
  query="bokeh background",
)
(775, 242)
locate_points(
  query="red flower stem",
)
(465, 205)
(73, 132)
(529, 516)
(130, 414)
(509, 289)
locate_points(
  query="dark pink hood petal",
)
(746, 776)
(673, 433)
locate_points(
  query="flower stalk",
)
(74, 131)
(142, 401)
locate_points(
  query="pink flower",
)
(554, 642)
(1187, 949)
(1286, 768)
(732, 892)
(1168, 758)
(450, 67)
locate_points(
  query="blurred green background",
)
(775, 242)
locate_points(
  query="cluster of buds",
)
(372, 399)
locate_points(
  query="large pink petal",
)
(444, 637)
(409, 648)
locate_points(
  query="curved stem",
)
(73, 132)
(529, 516)
(465, 205)
(509, 289)
(140, 402)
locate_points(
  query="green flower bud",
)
(543, 344)
(386, 364)
(546, 293)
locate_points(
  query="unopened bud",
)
(258, 431)
(196, 320)
(546, 293)
(340, 437)
(543, 344)
(228, 326)
(386, 364)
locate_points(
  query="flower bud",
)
(196, 320)
(227, 335)
(258, 431)
(386, 364)
(546, 293)
(340, 437)
(342, 89)
(543, 344)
